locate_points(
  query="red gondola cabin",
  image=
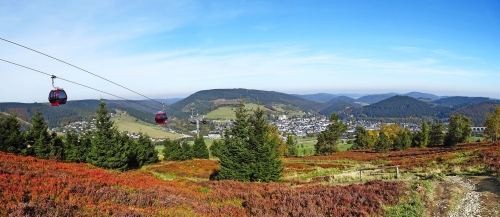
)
(161, 117)
(57, 97)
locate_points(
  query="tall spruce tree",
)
(107, 150)
(200, 149)
(172, 150)
(215, 148)
(187, 151)
(11, 137)
(249, 153)
(403, 140)
(73, 146)
(38, 137)
(328, 139)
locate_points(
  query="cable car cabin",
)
(57, 97)
(161, 117)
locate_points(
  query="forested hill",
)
(342, 99)
(403, 107)
(458, 100)
(207, 100)
(370, 99)
(318, 97)
(477, 112)
(70, 112)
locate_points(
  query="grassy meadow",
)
(125, 122)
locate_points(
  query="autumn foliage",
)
(36, 187)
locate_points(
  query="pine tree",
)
(249, 152)
(215, 148)
(107, 150)
(328, 139)
(293, 151)
(146, 153)
(57, 151)
(436, 134)
(72, 144)
(200, 148)
(187, 151)
(383, 143)
(492, 124)
(11, 137)
(459, 130)
(38, 137)
(362, 140)
(403, 140)
(172, 150)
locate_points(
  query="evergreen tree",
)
(424, 137)
(436, 134)
(383, 143)
(362, 140)
(145, 151)
(282, 146)
(38, 137)
(249, 152)
(328, 139)
(293, 151)
(72, 147)
(459, 130)
(11, 137)
(215, 148)
(57, 151)
(200, 148)
(107, 148)
(492, 124)
(187, 151)
(172, 150)
(403, 140)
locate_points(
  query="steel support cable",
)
(77, 68)
(77, 84)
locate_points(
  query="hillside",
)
(342, 99)
(370, 99)
(70, 112)
(422, 96)
(338, 107)
(403, 107)
(477, 112)
(457, 100)
(208, 100)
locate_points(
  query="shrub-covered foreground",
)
(35, 187)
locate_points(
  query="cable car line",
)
(77, 84)
(78, 68)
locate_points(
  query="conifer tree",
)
(293, 151)
(215, 148)
(200, 148)
(328, 139)
(436, 134)
(38, 137)
(403, 140)
(72, 144)
(249, 152)
(383, 143)
(362, 140)
(11, 137)
(57, 151)
(107, 149)
(172, 150)
(187, 151)
(146, 153)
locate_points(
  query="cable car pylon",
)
(196, 119)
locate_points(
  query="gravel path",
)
(471, 204)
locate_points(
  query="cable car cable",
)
(78, 68)
(77, 83)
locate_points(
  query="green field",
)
(125, 122)
(228, 112)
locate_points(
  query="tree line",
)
(103, 147)
(392, 137)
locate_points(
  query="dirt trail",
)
(465, 196)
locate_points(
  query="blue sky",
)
(166, 49)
